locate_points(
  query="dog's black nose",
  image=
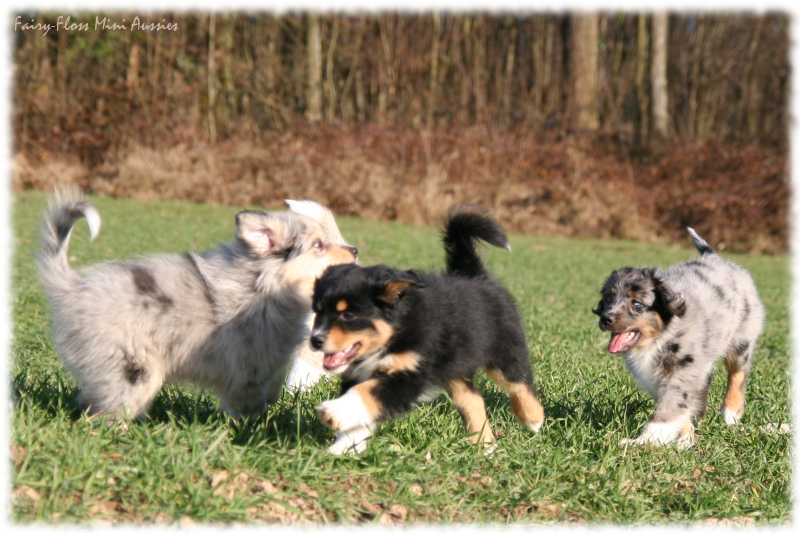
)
(606, 320)
(317, 341)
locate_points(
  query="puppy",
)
(671, 326)
(227, 320)
(401, 337)
(306, 369)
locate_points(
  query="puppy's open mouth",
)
(332, 361)
(622, 342)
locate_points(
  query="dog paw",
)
(326, 412)
(353, 441)
(489, 448)
(683, 443)
(533, 427)
(730, 417)
(345, 412)
(679, 432)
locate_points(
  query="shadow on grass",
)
(286, 422)
(599, 413)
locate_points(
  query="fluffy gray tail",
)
(465, 225)
(66, 208)
(702, 246)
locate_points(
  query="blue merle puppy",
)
(671, 326)
(228, 320)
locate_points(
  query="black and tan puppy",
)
(671, 327)
(402, 337)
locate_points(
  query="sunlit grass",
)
(189, 462)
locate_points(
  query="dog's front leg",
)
(353, 415)
(679, 431)
(353, 440)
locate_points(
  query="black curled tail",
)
(465, 225)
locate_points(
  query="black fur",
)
(456, 322)
(466, 224)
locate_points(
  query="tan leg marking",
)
(470, 405)
(734, 395)
(525, 405)
(687, 429)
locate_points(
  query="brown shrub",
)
(736, 196)
(46, 175)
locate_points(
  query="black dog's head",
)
(356, 312)
(636, 306)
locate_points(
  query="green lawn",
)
(187, 463)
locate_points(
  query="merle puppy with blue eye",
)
(400, 337)
(671, 327)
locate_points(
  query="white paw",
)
(685, 442)
(664, 433)
(533, 428)
(345, 412)
(352, 441)
(489, 449)
(729, 416)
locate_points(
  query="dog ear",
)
(322, 215)
(667, 301)
(394, 288)
(259, 231)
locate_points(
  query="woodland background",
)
(611, 124)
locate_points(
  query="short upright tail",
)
(66, 208)
(702, 246)
(465, 225)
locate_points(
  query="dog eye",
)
(637, 303)
(317, 244)
(347, 316)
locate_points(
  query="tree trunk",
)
(658, 75)
(464, 58)
(346, 105)
(479, 77)
(387, 88)
(314, 69)
(584, 37)
(212, 89)
(752, 96)
(642, 93)
(696, 60)
(508, 82)
(329, 70)
(132, 76)
(434, 81)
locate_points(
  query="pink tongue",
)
(333, 360)
(620, 341)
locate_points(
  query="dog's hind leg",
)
(470, 405)
(524, 403)
(129, 394)
(738, 361)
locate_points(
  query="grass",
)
(188, 463)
